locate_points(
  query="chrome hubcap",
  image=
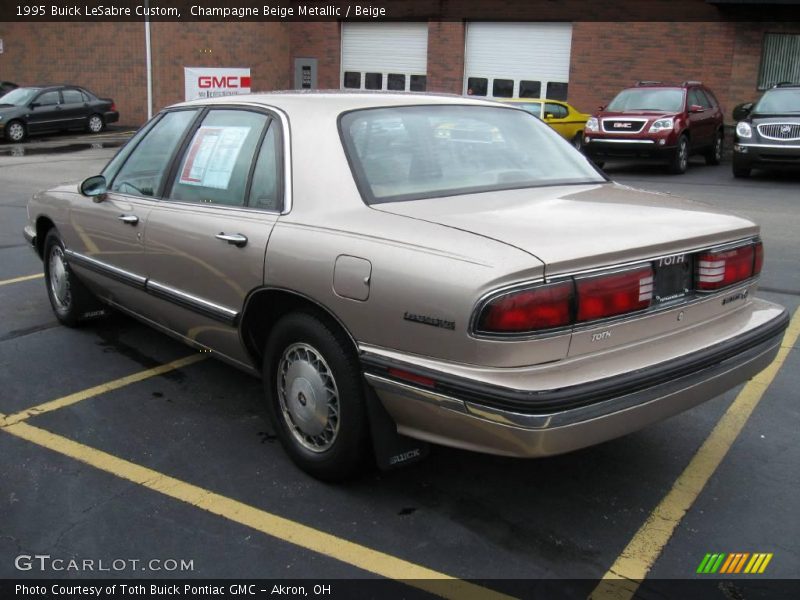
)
(16, 132)
(59, 279)
(308, 397)
(95, 124)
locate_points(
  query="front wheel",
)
(95, 124)
(313, 386)
(69, 298)
(577, 141)
(15, 132)
(680, 159)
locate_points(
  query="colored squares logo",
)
(735, 563)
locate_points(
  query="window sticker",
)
(212, 156)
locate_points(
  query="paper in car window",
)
(212, 156)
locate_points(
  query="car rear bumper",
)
(474, 416)
(753, 155)
(111, 116)
(601, 148)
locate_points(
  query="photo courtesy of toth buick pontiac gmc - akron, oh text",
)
(405, 269)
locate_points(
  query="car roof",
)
(526, 100)
(339, 101)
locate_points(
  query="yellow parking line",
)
(284, 529)
(99, 389)
(21, 279)
(631, 567)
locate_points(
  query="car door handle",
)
(129, 219)
(237, 239)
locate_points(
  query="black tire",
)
(71, 301)
(741, 172)
(713, 155)
(306, 358)
(680, 158)
(16, 132)
(95, 124)
(577, 141)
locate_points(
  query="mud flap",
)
(392, 450)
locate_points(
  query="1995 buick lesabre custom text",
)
(445, 265)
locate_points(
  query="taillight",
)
(113, 107)
(532, 309)
(758, 261)
(723, 268)
(614, 294)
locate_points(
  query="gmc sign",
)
(213, 82)
(231, 81)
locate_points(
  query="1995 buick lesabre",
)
(442, 267)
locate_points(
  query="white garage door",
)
(385, 56)
(513, 60)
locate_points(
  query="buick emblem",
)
(786, 129)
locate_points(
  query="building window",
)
(373, 81)
(477, 86)
(530, 89)
(396, 81)
(557, 90)
(503, 88)
(780, 59)
(419, 83)
(352, 80)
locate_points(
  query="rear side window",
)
(72, 97)
(216, 164)
(143, 171)
(557, 110)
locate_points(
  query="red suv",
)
(657, 121)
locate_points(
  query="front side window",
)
(661, 99)
(416, 152)
(145, 167)
(48, 98)
(535, 108)
(216, 164)
(19, 96)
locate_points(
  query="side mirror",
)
(696, 108)
(740, 111)
(95, 187)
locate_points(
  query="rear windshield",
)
(779, 102)
(667, 100)
(415, 152)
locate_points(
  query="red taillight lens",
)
(758, 262)
(543, 307)
(113, 107)
(615, 294)
(720, 269)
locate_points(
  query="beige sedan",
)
(403, 269)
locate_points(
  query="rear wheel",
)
(714, 154)
(70, 299)
(313, 386)
(577, 141)
(95, 124)
(15, 132)
(680, 159)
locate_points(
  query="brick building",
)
(449, 48)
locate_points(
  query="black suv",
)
(768, 133)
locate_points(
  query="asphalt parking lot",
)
(118, 443)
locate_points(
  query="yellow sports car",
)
(564, 118)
